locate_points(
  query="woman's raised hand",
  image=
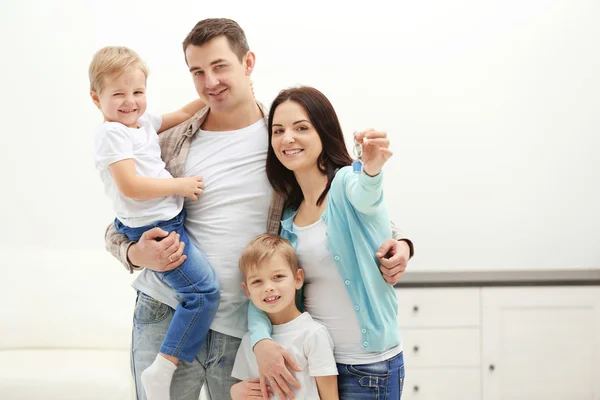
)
(375, 150)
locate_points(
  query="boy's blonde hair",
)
(262, 248)
(110, 60)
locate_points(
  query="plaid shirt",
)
(175, 145)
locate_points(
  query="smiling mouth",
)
(128, 111)
(217, 93)
(292, 152)
(271, 299)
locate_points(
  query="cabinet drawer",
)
(438, 308)
(442, 383)
(442, 347)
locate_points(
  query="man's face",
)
(221, 80)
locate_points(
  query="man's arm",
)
(118, 245)
(393, 255)
(270, 356)
(161, 256)
(183, 114)
(142, 188)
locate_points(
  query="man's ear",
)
(299, 278)
(249, 62)
(95, 98)
(245, 289)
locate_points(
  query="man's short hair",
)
(262, 248)
(210, 28)
(111, 60)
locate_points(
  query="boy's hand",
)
(248, 389)
(191, 188)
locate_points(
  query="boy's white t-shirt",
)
(115, 142)
(307, 341)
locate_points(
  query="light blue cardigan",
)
(357, 224)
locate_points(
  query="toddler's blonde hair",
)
(111, 60)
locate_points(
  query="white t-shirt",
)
(308, 343)
(232, 211)
(328, 301)
(115, 142)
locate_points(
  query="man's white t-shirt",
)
(307, 341)
(232, 211)
(115, 142)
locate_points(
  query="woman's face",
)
(295, 140)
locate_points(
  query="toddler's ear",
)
(95, 98)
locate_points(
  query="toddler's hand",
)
(191, 188)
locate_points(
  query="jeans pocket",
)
(149, 311)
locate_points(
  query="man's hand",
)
(393, 256)
(272, 360)
(158, 256)
(248, 389)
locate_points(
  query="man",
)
(226, 143)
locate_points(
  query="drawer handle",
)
(415, 308)
(416, 349)
(492, 367)
(416, 388)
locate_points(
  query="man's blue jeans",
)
(212, 365)
(382, 380)
(197, 287)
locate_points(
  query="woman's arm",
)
(365, 190)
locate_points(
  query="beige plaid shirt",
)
(175, 144)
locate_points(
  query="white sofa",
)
(65, 326)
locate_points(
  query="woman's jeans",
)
(197, 288)
(383, 380)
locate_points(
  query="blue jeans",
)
(213, 364)
(381, 381)
(197, 287)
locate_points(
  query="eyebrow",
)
(217, 61)
(277, 271)
(297, 122)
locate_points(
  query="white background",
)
(492, 108)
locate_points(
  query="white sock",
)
(156, 379)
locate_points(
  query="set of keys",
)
(357, 164)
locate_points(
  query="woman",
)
(336, 219)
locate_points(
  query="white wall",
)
(492, 107)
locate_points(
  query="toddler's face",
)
(123, 97)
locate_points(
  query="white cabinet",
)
(441, 337)
(501, 343)
(541, 343)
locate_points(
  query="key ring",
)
(357, 164)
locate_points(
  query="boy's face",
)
(123, 97)
(221, 80)
(272, 286)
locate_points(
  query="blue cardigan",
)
(357, 224)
